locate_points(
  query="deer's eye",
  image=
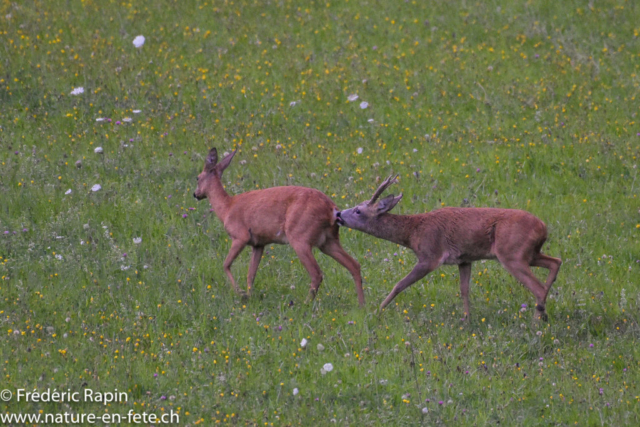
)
(357, 211)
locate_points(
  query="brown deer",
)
(302, 217)
(459, 236)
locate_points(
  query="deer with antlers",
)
(301, 217)
(459, 236)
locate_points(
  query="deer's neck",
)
(395, 228)
(220, 200)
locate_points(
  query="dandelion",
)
(98, 150)
(352, 97)
(77, 91)
(138, 42)
(96, 187)
(67, 192)
(303, 343)
(137, 240)
(364, 104)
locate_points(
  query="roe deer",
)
(302, 217)
(459, 236)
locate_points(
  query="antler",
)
(387, 182)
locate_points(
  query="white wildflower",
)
(359, 150)
(303, 343)
(138, 41)
(67, 192)
(328, 367)
(371, 120)
(364, 104)
(136, 111)
(100, 119)
(137, 240)
(320, 347)
(127, 119)
(352, 97)
(77, 91)
(295, 391)
(98, 150)
(96, 187)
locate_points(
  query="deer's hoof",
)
(311, 296)
(540, 316)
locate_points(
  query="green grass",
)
(529, 105)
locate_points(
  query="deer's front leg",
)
(256, 257)
(419, 271)
(465, 277)
(237, 246)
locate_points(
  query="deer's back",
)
(470, 234)
(274, 214)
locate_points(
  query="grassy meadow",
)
(528, 105)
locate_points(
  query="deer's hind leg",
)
(305, 254)
(519, 269)
(550, 263)
(334, 249)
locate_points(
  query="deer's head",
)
(211, 173)
(364, 215)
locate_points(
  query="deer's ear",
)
(212, 159)
(388, 203)
(225, 162)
